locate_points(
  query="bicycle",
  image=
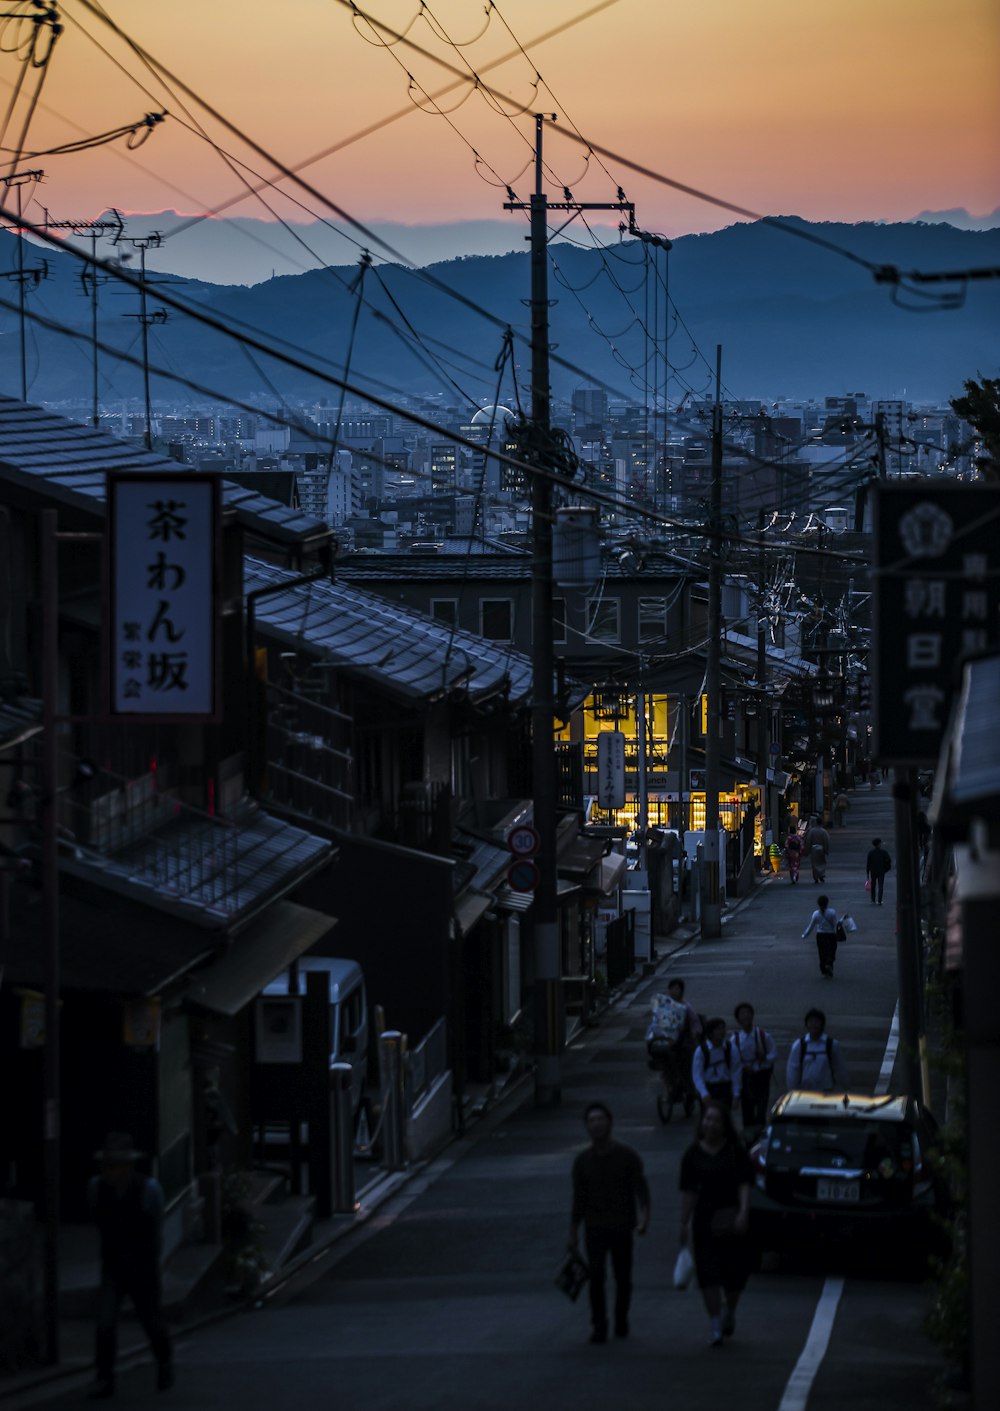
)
(671, 1059)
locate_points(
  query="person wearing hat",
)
(128, 1211)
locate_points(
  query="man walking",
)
(877, 864)
(757, 1053)
(815, 1061)
(128, 1212)
(610, 1200)
(840, 806)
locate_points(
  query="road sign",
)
(523, 840)
(523, 875)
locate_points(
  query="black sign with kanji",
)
(937, 600)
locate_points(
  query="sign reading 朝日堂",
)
(937, 599)
(163, 595)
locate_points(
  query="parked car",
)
(847, 1167)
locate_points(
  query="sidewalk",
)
(772, 899)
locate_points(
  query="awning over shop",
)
(967, 781)
(611, 871)
(256, 956)
(108, 945)
(731, 771)
(580, 857)
(469, 907)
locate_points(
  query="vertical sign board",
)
(163, 591)
(611, 769)
(937, 599)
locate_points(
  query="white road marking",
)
(799, 1385)
(889, 1057)
(800, 1382)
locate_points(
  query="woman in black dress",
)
(715, 1209)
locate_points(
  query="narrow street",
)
(445, 1299)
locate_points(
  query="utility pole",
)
(548, 1002)
(142, 243)
(23, 276)
(90, 280)
(711, 901)
(763, 707)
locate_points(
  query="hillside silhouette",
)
(794, 320)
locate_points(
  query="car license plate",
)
(847, 1191)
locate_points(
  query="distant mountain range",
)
(794, 319)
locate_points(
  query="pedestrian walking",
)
(128, 1211)
(815, 1061)
(824, 919)
(757, 1053)
(715, 1068)
(715, 1210)
(840, 806)
(793, 853)
(610, 1200)
(817, 845)
(877, 864)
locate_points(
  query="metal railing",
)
(427, 1061)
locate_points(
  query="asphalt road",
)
(445, 1300)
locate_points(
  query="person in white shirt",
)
(824, 919)
(815, 1061)
(757, 1053)
(715, 1069)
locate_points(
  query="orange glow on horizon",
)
(828, 111)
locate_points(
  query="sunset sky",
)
(828, 109)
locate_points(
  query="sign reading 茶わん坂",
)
(163, 595)
(937, 599)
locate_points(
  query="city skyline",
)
(842, 113)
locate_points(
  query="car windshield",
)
(862, 1143)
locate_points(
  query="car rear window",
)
(863, 1143)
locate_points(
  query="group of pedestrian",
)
(814, 844)
(611, 1198)
(611, 1202)
(735, 1069)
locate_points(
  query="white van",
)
(279, 1033)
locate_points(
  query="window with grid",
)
(559, 620)
(604, 619)
(652, 619)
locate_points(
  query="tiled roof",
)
(40, 449)
(383, 567)
(209, 871)
(404, 651)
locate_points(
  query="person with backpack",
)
(829, 932)
(877, 864)
(815, 1061)
(716, 1070)
(757, 1052)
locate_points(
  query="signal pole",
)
(711, 900)
(544, 455)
